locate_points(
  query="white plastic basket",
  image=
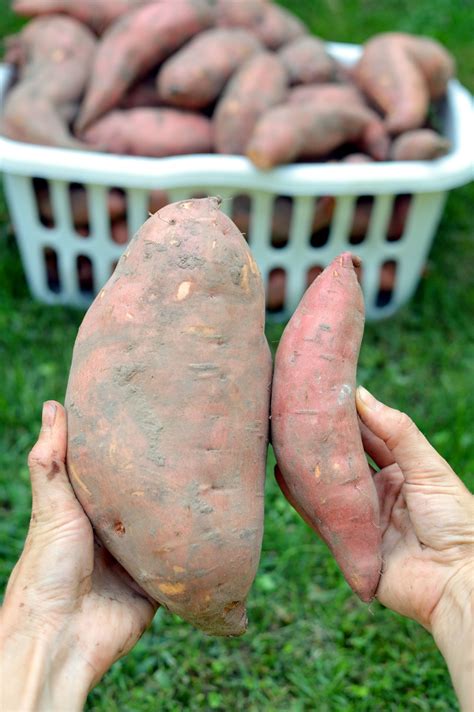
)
(229, 176)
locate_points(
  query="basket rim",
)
(237, 173)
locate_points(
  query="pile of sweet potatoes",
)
(158, 78)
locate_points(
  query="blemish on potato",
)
(138, 493)
(244, 278)
(317, 472)
(183, 291)
(119, 528)
(172, 589)
(129, 316)
(53, 471)
(344, 393)
(178, 569)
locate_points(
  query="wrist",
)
(41, 671)
(452, 625)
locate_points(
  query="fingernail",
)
(49, 414)
(367, 398)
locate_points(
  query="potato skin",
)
(322, 466)
(54, 57)
(133, 45)
(259, 83)
(151, 132)
(419, 145)
(400, 73)
(194, 76)
(98, 14)
(168, 412)
(306, 60)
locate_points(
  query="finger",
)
(375, 447)
(388, 483)
(49, 481)
(418, 460)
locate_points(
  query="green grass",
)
(311, 645)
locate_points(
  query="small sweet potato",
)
(306, 60)
(56, 57)
(419, 145)
(400, 73)
(277, 26)
(168, 414)
(195, 75)
(98, 14)
(322, 468)
(260, 83)
(151, 132)
(292, 131)
(133, 45)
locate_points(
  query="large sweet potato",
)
(195, 75)
(151, 132)
(400, 73)
(98, 14)
(322, 466)
(306, 60)
(259, 83)
(134, 44)
(54, 58)
(291, 131)
(168, 412)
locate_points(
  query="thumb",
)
(420, 463)
(50, 484)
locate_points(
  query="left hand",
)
(66, 594)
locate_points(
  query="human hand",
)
(70, 610)
(427, 520)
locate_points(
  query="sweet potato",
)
(116, 205)
(277, 26)
(260, 83)
(244, 13)
(119, 232)
(151, 132)
(98, 14)
(292, 131)
(400, 73)
(168, 412)
(195, 75)
(326, 92)
(322, 467)
(56, 59)
(133, 45)
(306, 60)
(419, 145)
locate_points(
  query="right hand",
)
(427, 520)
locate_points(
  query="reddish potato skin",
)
(168, 412)
(315, 434)
(292, 131)
(419, 145)
(194, 76)
(151, 132)
(276, 26)
(259, 83)
(400, 73)
(306, 60)
(133, 45)
(326, 92)
(98, 14)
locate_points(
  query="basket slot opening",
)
(44, 205)
(276, 290)
(157, 199)
(387, 277)
(399, 217)
(312, 273)
(51, 266)
(281, 221)
(79, 207)
(241, 207)
(322, 216)
(361, 219)
(85, 274)
(119, 231)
